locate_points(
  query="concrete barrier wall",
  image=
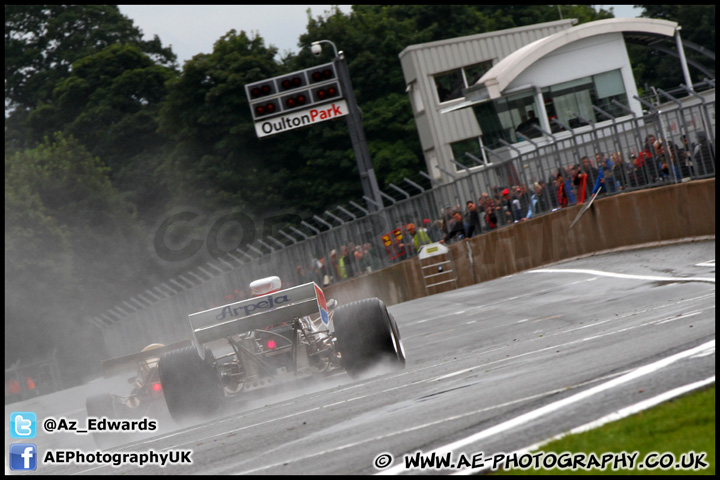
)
(654, 215)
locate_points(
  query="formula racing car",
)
(275, 337)
(145, 398)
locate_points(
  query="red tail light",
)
(156, 387)
(271, 344)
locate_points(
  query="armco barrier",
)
(659, 214)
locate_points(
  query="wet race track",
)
(496, 367)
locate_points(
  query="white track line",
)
(555, 406)
(624, 275)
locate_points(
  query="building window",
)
(449, 85)
(570, 102)
(508, 118)
(473, 73)
(469, 145)
(610, 86)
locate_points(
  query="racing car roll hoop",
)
(278, 336)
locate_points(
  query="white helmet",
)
(151, 362)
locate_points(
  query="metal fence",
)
(313, 249)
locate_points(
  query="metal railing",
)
(304, 252)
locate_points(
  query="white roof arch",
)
(495, 80)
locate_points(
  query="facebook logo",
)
(23, 425)
(23, 456)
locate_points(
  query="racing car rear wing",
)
(258, 313)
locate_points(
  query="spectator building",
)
(482, 92)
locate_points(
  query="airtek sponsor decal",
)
(247, 308)
(301, 118)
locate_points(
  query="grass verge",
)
(677, 431)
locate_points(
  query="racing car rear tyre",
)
(191, 385)
(367, 336)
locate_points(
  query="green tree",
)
(71, 249)
(217, 160)
(110, 102)
(656, 68)
(43, 41)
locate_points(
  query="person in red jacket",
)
(562, 196)
(580, 182)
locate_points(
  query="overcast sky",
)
(193, 29)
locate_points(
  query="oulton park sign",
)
(302, 118)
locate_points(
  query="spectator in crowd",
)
(638, 177)
(334, 266)
(562, 191)
(345, 267)
(496, 196)
(12, 388)
(433, 229)
(30, 385)
(649, 147)
(523, 195)
(526, 128)
(490, 214)
(703, 155)
(370, 254)
(648, 164)
(457, 228)
(620, 170)
(580, 181)
(666, 155)
(419, 236)
(362, 262)
(516, 204)
(537, 202)
(320, 271)
(472, 218)
(436, 230)
(506, 217)
(605, 169)
(600, 185)
(443, 224)
(569, 187)
(684, 160)
(589, 170)
(301, 276)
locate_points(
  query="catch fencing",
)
(312, 250)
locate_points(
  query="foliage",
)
(43, 41)
(84, 70)
(653, 67)
(65, 228)
(217, 161)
